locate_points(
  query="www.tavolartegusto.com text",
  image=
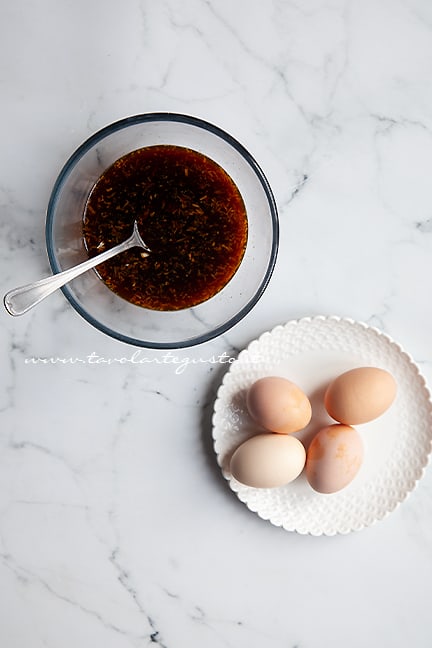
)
(137, 358)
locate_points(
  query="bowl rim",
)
(167, 117)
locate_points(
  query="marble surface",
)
(116, 527)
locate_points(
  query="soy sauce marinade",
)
(190, 214)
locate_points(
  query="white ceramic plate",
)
(311, 352)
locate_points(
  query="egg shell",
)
(360, 395)
(278, 405)
(268, 460)
(334, 458)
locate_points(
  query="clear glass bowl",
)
(89, 295)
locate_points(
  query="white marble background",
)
(116, 529)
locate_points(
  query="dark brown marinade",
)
(190, 214)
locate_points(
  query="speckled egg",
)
(334, 458)
(278, 405)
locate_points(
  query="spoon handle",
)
(20, 300)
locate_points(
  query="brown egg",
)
(278, 405)
(360, 395)
(268, 460)
(334, 458)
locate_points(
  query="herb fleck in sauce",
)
(190, 214)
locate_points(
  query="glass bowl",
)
(90, 296)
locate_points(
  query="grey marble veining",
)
(116, 526)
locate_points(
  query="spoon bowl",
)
(20, 300)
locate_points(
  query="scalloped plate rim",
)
(218, 410)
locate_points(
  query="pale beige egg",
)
(334, 458)
(268, 460)
(360, 395)
(278, 405)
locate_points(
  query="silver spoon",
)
(20, 300)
